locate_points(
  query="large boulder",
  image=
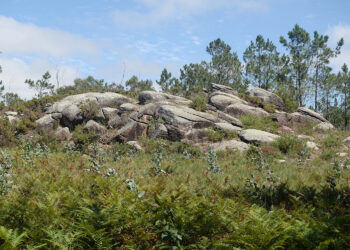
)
(230, 119)
(324, 126)
(71, 106)
(232, 145)
(222, 88)
(62, 134)
(268, 97)
(132, 131)
(240, 109)
(12, 117)
(257, 136)
(153, 96)
(312, 115)
(110, 113)
(48, 122)
(94, 127)
(298, 117)
(221, 100)
(227, 126)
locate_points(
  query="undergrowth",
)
(170, 196)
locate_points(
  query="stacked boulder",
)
(115, 117)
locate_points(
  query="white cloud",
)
(161, 11)
(335, 34)
(16, 70)
(17, 37)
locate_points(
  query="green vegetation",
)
(199, 103)
(109, 198)
(265, 123)
(216, 135)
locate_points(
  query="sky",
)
(115, 39)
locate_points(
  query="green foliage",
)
(7, 133)
(262, 123)
(83, 139)
(41, 86)
(10, 239)
(89, 109)
(199, 103)
(287, 97)
(25, 125)
(268, 107)
(136, 86)
(216, 135)
(212, 161)
(289, 144)
(262, 63)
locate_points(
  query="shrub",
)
(7, 132)
(268, 107)
(199, 103)
(82, 139)
(262, 123)
(24, 126)
(290, 104)
(328, 154)
(216, 135)
(331, 141)
(288, 144)
(89, 109)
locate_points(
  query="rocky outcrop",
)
(12, 117)
(240, 109)
(153, 96)
(232, 145)
(268, 97)
(227, 126)
(170, 117)
(346, 142)
(94, 127)
(312, 115)
(48, 122)
(257, 136)
(62, 134)
(222, 88)
(135, 144)
(303, 115)
(221, 100)
(324, 126)
(230, 119)
(71, 107)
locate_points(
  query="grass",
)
(55, 202)
(261, 123)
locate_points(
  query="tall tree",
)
(169, 83)
(195, 77)
(41, 86)
(344, 89)
(262, 62)
(136, 86)
(300, 53)
(328, 82)
(225, 66)
(321, 55)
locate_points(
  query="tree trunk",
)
(316, 89)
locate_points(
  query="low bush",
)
(261, 123)
(83, 139)
(216, 135)
(7, 133)
(289, 144)
(268, 107)
(199, 103)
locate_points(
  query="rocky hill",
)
(114, 117)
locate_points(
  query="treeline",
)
(301, 75)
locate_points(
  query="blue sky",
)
(108, 37)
